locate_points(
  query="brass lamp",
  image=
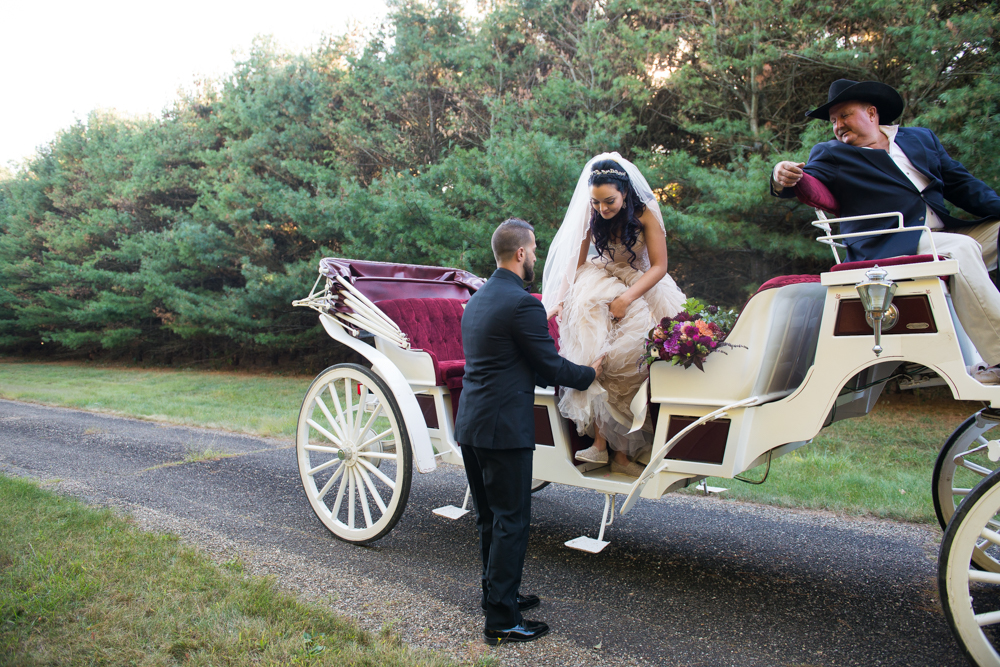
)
(876, 292)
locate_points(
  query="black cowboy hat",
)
(885, 98)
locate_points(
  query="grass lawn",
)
(80, 586)
(265, 405)
(878, 465)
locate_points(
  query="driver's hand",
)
(786, 174)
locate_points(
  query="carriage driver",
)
(508, 350)
(873, 167)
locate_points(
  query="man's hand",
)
(786, 174)
(598, 367)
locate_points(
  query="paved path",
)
(685, 581)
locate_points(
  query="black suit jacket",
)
(866, 181)
(508, 350)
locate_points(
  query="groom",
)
(508, 351)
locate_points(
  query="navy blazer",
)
(866, 181)
(508, 350)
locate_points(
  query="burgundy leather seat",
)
(434, 326)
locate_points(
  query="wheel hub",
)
(349, 455)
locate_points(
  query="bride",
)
(607, 303)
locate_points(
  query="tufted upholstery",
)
(435, 326)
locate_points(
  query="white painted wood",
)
(416, 427)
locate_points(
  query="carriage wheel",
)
(354, 453)
(962, 463)
(969, 596)
(537, 485)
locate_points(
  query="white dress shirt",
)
(912, 173)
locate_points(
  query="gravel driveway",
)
(685, 581)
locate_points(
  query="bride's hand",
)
(557, 313)
(618, 307)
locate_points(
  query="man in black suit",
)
(872, 167)
(508, 350)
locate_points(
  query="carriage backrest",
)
(777, 331)
(431, 324)
(792, 326)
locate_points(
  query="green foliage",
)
(188, 236)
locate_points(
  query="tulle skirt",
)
(586, 332)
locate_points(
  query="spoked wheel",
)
(962, 463)
(354, 453)
(971, 597)
(537, 485)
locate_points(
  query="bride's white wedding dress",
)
(586, 332)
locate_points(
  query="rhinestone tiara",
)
(609, 172)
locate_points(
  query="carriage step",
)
(588, 544)
(710, 489)
(450, 512)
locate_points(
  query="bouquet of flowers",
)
(689, 336)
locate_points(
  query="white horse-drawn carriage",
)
(806, 359)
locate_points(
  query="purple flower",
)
(682, 317)
(712, 310)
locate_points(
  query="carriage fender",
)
(416, 427)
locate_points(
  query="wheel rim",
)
(970, 596)
(353, 455)
(963, 463)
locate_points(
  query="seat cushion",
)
(888, 261)
(452, 372)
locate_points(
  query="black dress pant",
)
(500, 480)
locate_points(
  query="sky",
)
(60, 60)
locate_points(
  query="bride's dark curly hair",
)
(625, 226)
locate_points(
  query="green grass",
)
(265, 405)
(80, 586)
(877, 465)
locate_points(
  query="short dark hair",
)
(512, 234)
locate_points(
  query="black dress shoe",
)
(524, 602)
(527, 631)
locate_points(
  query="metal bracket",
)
(710, 489)
(988, 416)
(589, 544)
(452, 512)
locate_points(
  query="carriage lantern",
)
(876, 293)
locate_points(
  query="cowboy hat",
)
(885, 98)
